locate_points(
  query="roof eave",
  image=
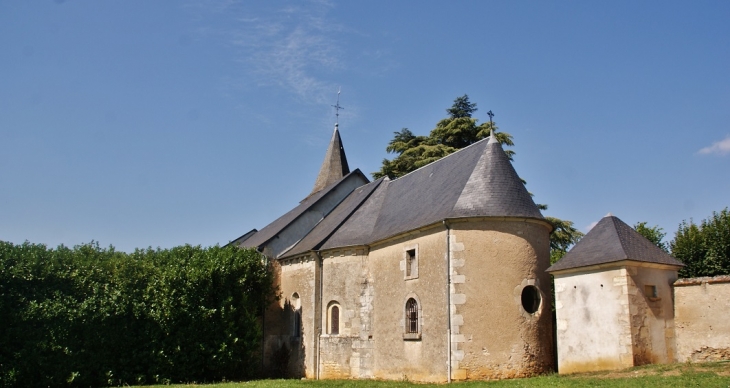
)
(612, 264)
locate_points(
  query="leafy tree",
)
(655, 234)
(462, 107)
(89, 316)
(457, 131)
(563, 237)
(704, 249)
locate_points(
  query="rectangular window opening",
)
(650, 291)
(410, 262)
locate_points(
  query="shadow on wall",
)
(283, 344)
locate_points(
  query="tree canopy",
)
(705, 248)
(89, 316)
(564, 236)
(457, 131)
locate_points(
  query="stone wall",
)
(346, 283)
(702, 319)
(493, 336)
(489, 263)
(652, 318)
(289, 353)
(395, 356)
(614, 316)
(592, 309)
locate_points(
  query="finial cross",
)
(490, 114)
(337, 108)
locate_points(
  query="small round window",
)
(530, 299)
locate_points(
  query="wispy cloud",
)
(721, 147)
(294, 47)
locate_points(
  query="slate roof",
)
(243, 238)
(478, 180)
(612, 240)
(333, 220)
(272, 229)
(358, 229)
(334, 166)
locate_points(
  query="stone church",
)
(438, 275)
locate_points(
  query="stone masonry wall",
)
(493, 337)
(651, 317)
(702, 318)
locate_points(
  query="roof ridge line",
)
(378, 181)
(616, 225)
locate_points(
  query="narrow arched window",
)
(297, 316)
(335, 320)
(411, 316)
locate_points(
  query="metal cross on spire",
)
(491, 125)
(337, 109)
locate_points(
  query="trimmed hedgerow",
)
(91, 316)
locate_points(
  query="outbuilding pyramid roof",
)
(612, 240)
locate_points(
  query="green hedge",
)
(90, 316)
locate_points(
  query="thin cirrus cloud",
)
(721, 147)
(291, 47)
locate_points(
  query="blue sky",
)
(159, 123)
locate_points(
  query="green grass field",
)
(715, 374)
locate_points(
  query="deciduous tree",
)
(705, 248)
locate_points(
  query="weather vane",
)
(337, 108)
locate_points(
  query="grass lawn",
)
(716, 374)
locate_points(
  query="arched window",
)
(333, 318)
(412, 317)
(297, 316)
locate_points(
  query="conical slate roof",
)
(334, 166)
(476, 181)
(612, 240)
(494, 188)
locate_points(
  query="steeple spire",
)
(335, 165)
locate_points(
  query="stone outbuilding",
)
(614, 301)
(436, 275)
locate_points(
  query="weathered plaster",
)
(492, 336)
(702, 319)
(592, 313)
(652, 318)
(394, 356)
(606, 321)
(495, 337)
(280, 342)
(345, 279)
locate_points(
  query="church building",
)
(435, 276)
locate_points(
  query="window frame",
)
(332, 307)
(409, 264)
(408, 310)
(296, 315)
(535, 297)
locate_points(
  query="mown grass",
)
(715, 374)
